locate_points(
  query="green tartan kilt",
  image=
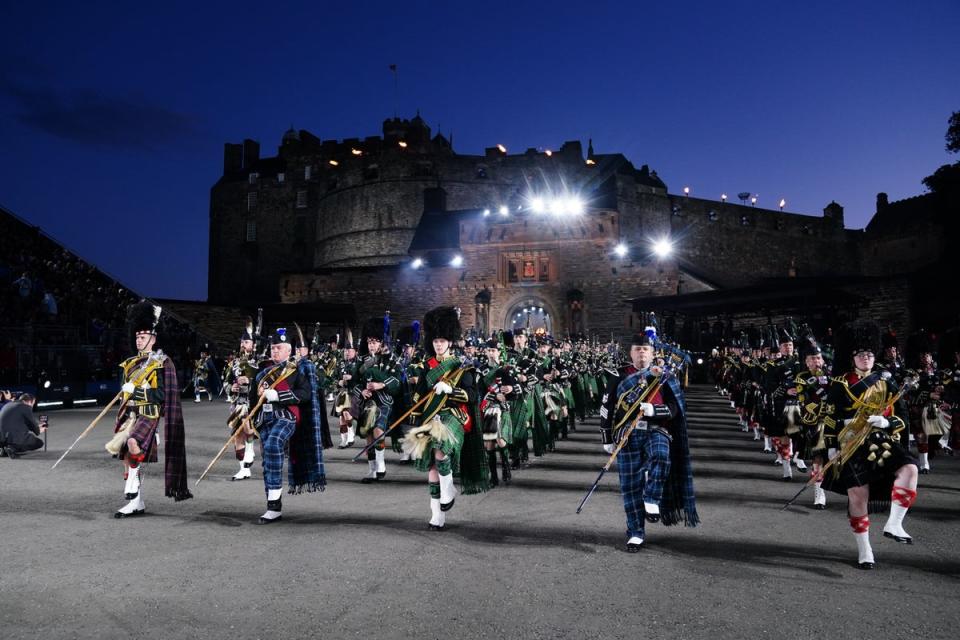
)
(443, 433)
(507, 432)
(592, 387)
(568, 396)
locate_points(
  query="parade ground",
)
(358, 561)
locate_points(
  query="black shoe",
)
(262, 520)
(11, 453)
(507, 476)
(900, 539)
(436, 527)
(651, 517)
(492, 467)
(366, 480)
(866, 566)
(924, 472)
(633, 547)
(819, 507)
(381, 475)
(132, 514)
(448, 506)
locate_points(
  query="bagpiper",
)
(447, 436)
(346, 379)
(867, 460)
(377, 383)
(276, 395)
(242, 372)
(150, 391)
(656, 478)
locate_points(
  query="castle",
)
(562, 239)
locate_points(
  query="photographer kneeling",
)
(19, 430)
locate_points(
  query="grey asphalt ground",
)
(358, 561)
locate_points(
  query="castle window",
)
(332, 184)
(281, 177)
(251, 201)
(745, 221)
(544, 270)
(481, 172)
(307, 171)
(302, 199)
(423, 169)
(251, 230)
(513, 271)
(254, 177)
(712, 216)
(372, 172)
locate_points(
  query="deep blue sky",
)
(113, 115)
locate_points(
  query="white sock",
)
(437, 517)
(132, 485)
(371, 468)
(381, 463)
(945, 441)
(272, 494)
(924, 460)
(894, 523)
(248, 453)
(635, 540)
(351, 435)
(447, 491)
(787, 469)
(651, 508)
(864, 550)
(819, 495)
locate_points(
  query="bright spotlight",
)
(557, 207)
(662, 247)
(486, 212)
(504, 211)
(699, 360)
(417, 263)
(46, 384)
(538, 205)
(575, 206)
(620, 250)
(457, 261)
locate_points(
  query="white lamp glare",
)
(662, 247)
(457, 261)
(504, 210)
(620, 250)
(417, 263)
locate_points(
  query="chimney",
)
(232, 158)
(882, 202)
(834, 211)
(251, 153)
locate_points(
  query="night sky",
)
(113, 115)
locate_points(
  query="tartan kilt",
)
(446, 437)
(144, 431)
(860, 471)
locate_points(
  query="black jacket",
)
(18, 427)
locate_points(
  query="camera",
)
(44, 420)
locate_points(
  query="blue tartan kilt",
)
(643, 464)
